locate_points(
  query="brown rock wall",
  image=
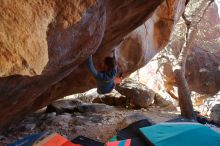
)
(44, 45)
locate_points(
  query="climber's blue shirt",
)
(105, 80)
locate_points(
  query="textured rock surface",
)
(36, 34)
(207, 105)
(139, 46)
(215, 114)
(132, 118)
(202, 66)
(63, 106)
(137, 94)
(114, 99)
(205, 56)
(43, 43)
(86, 124)
(95, 108)
(162, 101)
(72, 34)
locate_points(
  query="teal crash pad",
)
(181, 134)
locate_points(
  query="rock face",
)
(162, 101)
(71, 106)
(114, 99)
(137, 94)
(208, 104)
(205, 56)
(215, 114)
(69, 35)
(63, 106)
(44, 44)
(203, 61)
(94, 108)
(202, 66)
(39, 36)
(132, 118)
(142, 44)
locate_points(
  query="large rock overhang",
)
(69, 31)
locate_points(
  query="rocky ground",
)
(97, 116)
(100, 124)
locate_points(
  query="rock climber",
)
(105, 79)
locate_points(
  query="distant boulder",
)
(215, 114)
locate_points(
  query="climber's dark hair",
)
(110, 63)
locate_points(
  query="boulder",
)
(63, 106)
(208, 104)
(61, 121)
(137, 94)
(132, 118)
(163, 100)
(30, 126)
(94, 108)
(114, 99)
(88, 96)
(215, 114)
(74, 105)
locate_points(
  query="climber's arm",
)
(113, 54)
(91, 66)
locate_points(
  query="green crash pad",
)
(181, 134)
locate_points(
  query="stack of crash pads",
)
(85, 141)
(131, 135)
(171, 134)
(44, 139)
(128, 142)
(54, 139)
(180, 134)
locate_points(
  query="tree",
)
(191, 18)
